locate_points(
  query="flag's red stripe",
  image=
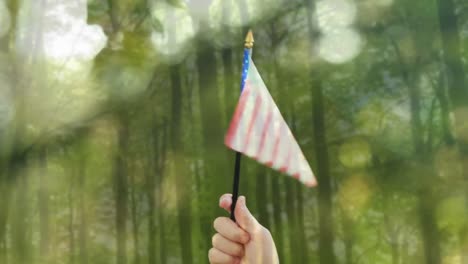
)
(297, 175)
(237, 116)
(275, 149)
(287, 161)
(264, 132)
(258, 104)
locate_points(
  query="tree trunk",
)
(216, 180)
(458, 92)
(121, 189)
(451, 42)
(326, 253)
(82, 208)
(151, 175)
(183, 179)
(19, 224)
(262, 200)
(150, 194)
(302, 239)
(277, 211)
(135, 222)
(71, 232)
(43, 200)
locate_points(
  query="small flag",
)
(259, 131)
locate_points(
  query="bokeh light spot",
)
(178, 29)
(340, 45)
(335, 13)
(355, 153)
(354, 194)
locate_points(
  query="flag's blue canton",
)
(245, 67)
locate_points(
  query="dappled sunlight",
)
(452, 259)
(333, 14)
(56, 48)
(340, 45)
(178, 29)
(452, 214)
(113, 113)
(354, 194)
(355, 153)
(239, 13)
(64, 34)
(5, 19)
(340, 42)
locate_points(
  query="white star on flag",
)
(259, 131)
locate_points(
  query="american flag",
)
(259, 131)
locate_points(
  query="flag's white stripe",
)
(266, 155)
(257, 129)
(281, 153)
(294, 167)
(242, 129)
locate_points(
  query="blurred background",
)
(113, 114)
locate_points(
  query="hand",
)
(244, 242)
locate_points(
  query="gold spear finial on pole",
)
(249, 40)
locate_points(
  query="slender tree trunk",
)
(82, 208)
(230, 92)
(71, 228)
(43, 200)
(121, 189)
(183, 183)
(292, 220)
(216, 179)
(278, 234)
(429, 227)
(451, 45)
(150, 196)
(427, 203)
(262, 200)
(326, 253)
(326, 236)
(302, 239)
(162, 226)
(5, 192)
(19, 224)
(457, 89)
(135, 222)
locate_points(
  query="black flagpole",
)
(249, 41)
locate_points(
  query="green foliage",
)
(147, 115)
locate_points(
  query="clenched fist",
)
(244, 242)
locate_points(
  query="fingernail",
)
(242, 202)
(223, 199)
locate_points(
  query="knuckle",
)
(211, 255)
(240, 237)
(239, 251)
(214, 239)
(217, 223)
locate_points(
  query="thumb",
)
(244, 218)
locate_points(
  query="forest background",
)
(113, 113)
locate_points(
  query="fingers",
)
(230, 230)
(218, 257)
(225, 201)
(225, 245)
(244, 218)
